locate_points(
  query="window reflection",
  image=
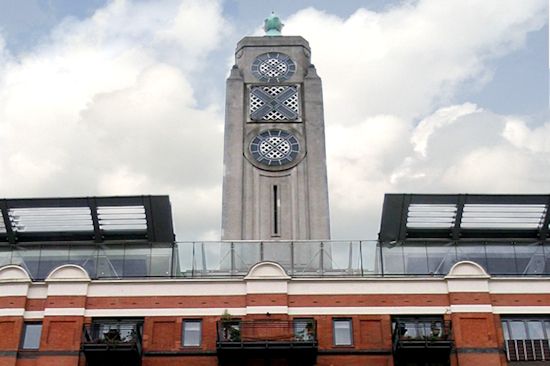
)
(416, 259)
(110, 261)
(161, 260)
(393, 260)
(500, 259)
(472, 252)
(28, 258)
(304, 330)
(32, 333)
(529, 259)
(527, 328)
(136, 260)
(441, 257)
(50, 259)
(5, 256)
(86, 257)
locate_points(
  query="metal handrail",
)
(113, 334)
(527, 349)
(310, 258)
(420, 332)
(297, 331)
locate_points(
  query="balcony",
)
(273, 339)
(422, 338)
(112, 343)
(527, 350)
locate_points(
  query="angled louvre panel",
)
(2, 225)
(425, 216)
(122, 218)
(502, 216)
(50, 219)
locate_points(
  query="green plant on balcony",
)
(230, 328)
(112, 336)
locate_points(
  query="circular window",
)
(274, 147)
(273, 67)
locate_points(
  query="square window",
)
(342, 332)
(304, 330)
(31, 336)
(192, 333)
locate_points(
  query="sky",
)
(124, 97)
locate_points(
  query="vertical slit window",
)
(276, 210)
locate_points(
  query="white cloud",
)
(389, 82)
(412, 58)
(467, 150)
(109, 105)
(106, 105)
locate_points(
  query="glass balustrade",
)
(299, 258)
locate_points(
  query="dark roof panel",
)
(462, 216)
(98, 219)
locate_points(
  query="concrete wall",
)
(247, 208)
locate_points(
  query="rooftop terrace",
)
(421, 235)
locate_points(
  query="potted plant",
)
(230, 328)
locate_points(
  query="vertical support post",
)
(7, 222)
(322, 257)
(455, 232)
(232, 254)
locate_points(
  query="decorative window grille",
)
(273, 67)
(274, 103)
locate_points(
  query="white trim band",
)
(294, 311)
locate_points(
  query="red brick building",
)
(418, 301)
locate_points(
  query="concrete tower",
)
(275, 180)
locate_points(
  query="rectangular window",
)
(192, 333)
(526, 328)
(31, 336)
(526, 338)
(342, 332)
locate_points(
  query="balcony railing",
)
(267, 334)
(299, 258)
(422, 334)
(112, 341)
(527, 349)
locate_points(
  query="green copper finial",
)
(273, 25)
